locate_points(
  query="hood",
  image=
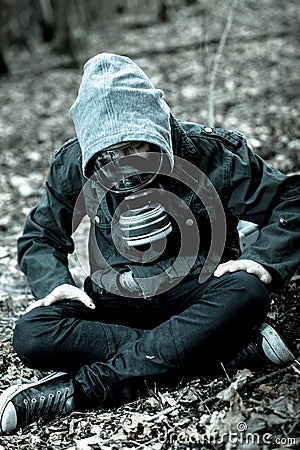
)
(117, 102)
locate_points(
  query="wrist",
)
(127, 282)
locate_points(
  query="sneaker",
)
(274, 346)
(49, 397)
(268, 347)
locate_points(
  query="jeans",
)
(116, 350)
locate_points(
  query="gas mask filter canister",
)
(145, 221)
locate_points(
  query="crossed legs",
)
(112, 350)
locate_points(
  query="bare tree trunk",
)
(216, 61)
(3, 65)
(70, 25)
(45, 16)
(163, 12)
(63, 39)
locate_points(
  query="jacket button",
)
(208, 130)
(189, 222)
(97, 220)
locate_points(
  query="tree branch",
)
(216, 61)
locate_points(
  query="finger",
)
(222, 269)
(232, 266)
(256, 270)
(53, 297)
(235, 266)
(246, 265)
(50, 300)
(35, 304)
(63, 292)
(42, 302)
(80, 297)
(68, 292)
(266, 279)
(87, 301)
(261, 273)
(74, 293)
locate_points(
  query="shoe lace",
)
(45, 405)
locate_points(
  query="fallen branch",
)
(267, 377)
(252, 384)
(196, 45)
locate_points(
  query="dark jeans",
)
(114, 349)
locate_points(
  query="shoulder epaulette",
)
(233, 138)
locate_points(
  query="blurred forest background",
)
(245, 77)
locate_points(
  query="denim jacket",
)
(248, 188)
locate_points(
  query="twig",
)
(199, 43)
(225, 371)
(164, 412)
(265, 378)
(215, 66)
(256, 382)
(297, 362)
(8, 319)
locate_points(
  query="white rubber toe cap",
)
(9, 419)
(8, 414)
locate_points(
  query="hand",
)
(128, 282)
(63, 292)
(247, 265)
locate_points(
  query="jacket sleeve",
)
(261, 194)
(47, 238)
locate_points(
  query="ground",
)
(257, 93)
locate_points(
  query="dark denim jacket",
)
(249, 189)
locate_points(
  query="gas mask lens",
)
(127, 168)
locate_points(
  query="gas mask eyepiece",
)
(128, 167)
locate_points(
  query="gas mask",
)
(130, 169)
